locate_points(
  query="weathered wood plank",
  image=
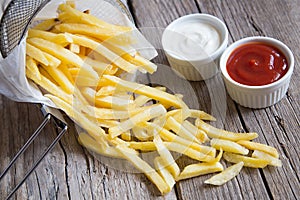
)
(242, 21)
(279, 124)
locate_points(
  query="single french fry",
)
(197, 155)
(213, 132)
(107, 123)
(258, 146)
(61, 38)
(32, 67)
(97, 147)
(140, 62)
(75, 48)
(53, 61)
(143, 146)
(141, 100)
(107, 113)
(164, 173)
(141, 133)
(201, 135)
(226, 175)
(144, 90)
(150, 113)
(126, 136)
(145, 168)
(266, 156)
(47, 24)
(202, 115)
(248, 161)
(219, 156)
(198, 169)
(228, 146)
(36, 54)
(106, 90)
(166, 156)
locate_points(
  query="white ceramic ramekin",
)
(199, 68)
(257, 96)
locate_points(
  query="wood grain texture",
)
(71, 172)
(243, 19)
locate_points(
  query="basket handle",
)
(47, 119)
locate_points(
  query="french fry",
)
(148, 114)
(53, 61)
(196, 155)
(144, 90)
(164, 173)
(37, 54)
(201, 135)
(226, 175)
(106, 90)
(175, 126)
(145, 168)
(140, 133)
(95, 32)
(248, 161)
(47, 24)
(106, 113)
(32, 67)
(228, 146)
(166, 156)
(222, 134)
(198, 169)
(258, 146)
(75, 48)
(126, 136)
(106, 101)
(61, 38)
(202, 115)
(97, 147)
(265, 156)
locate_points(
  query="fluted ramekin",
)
(257, 96)
(199, 68)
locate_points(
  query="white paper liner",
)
(13, 82)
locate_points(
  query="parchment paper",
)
(13, 82)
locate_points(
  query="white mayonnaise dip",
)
(192, 40)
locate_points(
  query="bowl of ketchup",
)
(257, 71)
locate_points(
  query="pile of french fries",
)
(77, 61)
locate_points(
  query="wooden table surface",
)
(70, 172)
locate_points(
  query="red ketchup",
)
(256, 64)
